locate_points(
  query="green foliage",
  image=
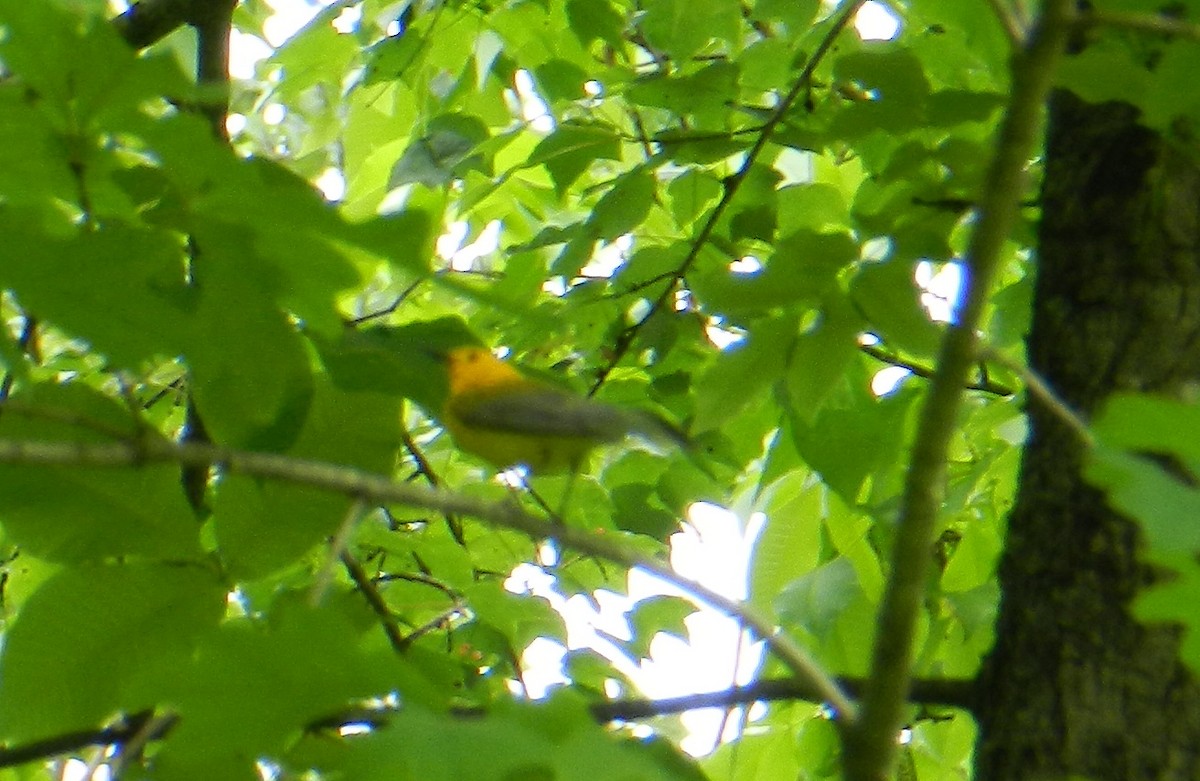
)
(649, 236)
(1147, 463)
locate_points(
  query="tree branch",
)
(870, 745)
(212, 20)
(145, 726)
(1040, 390)
(140, 726)
(371, 488)
(149, 21)
(985, 385)
(951, 693)
(378, 605)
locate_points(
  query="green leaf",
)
(314, 57)
(555, 739)
(1143, 490)
(73, 59)
(704, 94)
(815, 600)
(630, 483)
(1105, 70)
(816, 208)
(251, 379)
(121, 289)
(624, 206)
(1174, 602)
(74, 514)
(652, 264)
(797, 14)
(262, 527)
(803, 269)
(896, 82)
(571, 149)
(86, 639)
(692, 193)
(821, 355)
(743, 373)
(399, 361)
(520, 618)
(848, 441)
(791, 541)
(444, 152)
(888, 297)
(976, 609)
(34, 167)
(595, 19)
(1012, 309)
(561, 80)
(618, 212)
(683, 27)
(250, 689)
(657, 614)
(1157, 424)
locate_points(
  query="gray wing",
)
(547, 412)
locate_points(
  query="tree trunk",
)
(1074, 686)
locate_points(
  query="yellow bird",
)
(495, 412)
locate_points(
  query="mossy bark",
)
(1075, 687)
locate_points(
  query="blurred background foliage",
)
(624, 197)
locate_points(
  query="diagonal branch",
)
(379, 606)
(732, 183)
(374, 489)
(870, 745)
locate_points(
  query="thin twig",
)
(983, 385)
(379, 489)
(379, 606)
(154, 728)
(1041, 390)
(66, 743)
(423, 579)
(390, 308)
(732, 183)
(432, 625)
(425, 469)
(870, 746)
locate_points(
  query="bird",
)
(508, 419)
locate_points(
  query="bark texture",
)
(1075, 688)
